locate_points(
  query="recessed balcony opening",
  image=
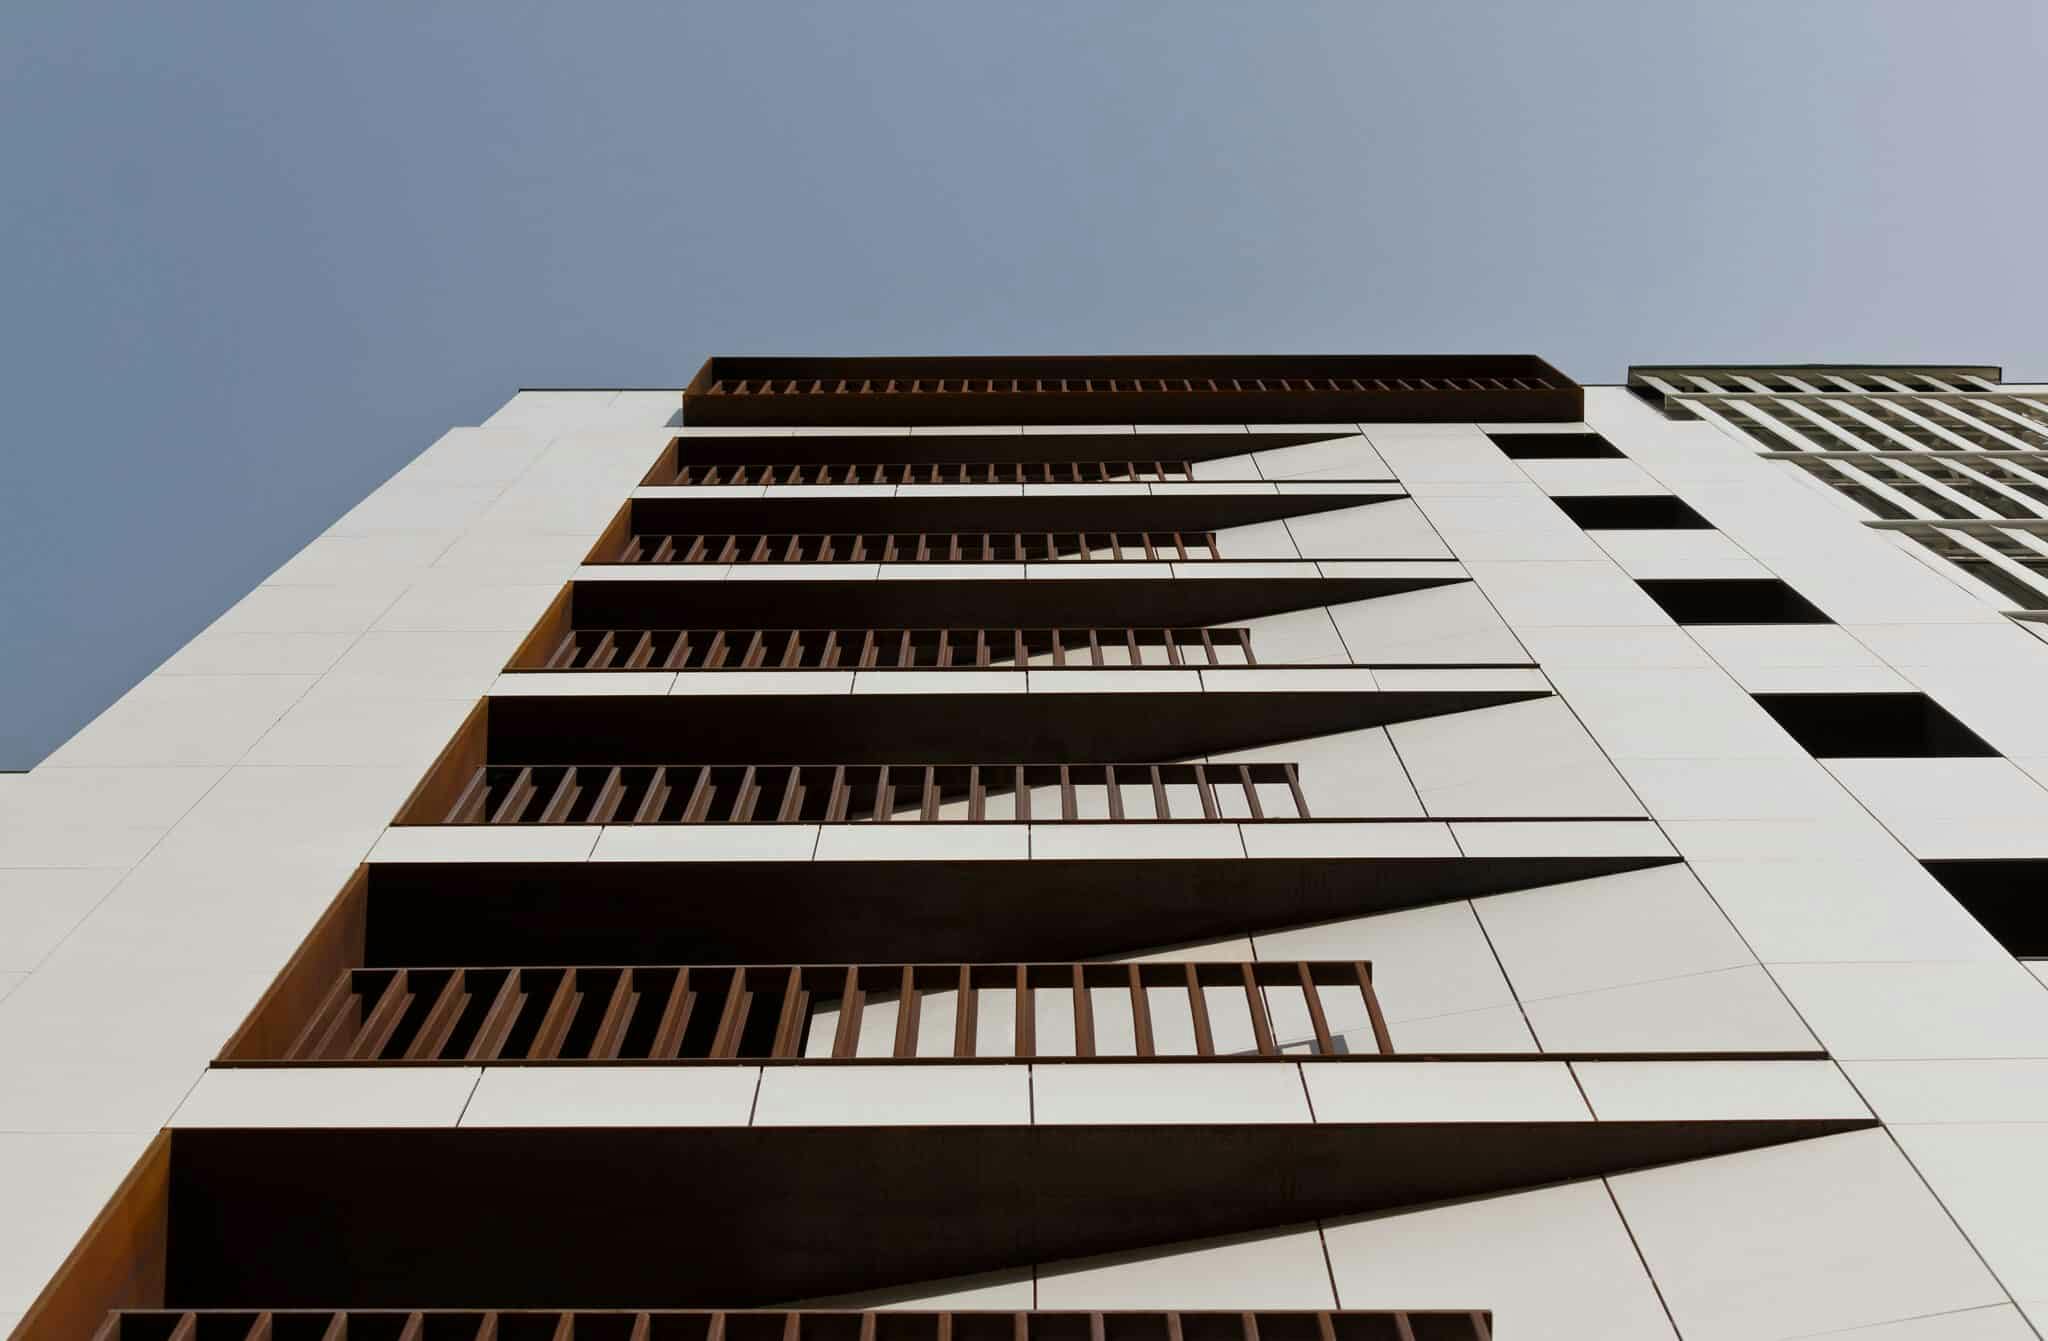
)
(398, 1221)
(395, 915)
(1106, 753)
(924, 625)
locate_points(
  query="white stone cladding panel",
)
(1552, 1264)
(1799, 1239)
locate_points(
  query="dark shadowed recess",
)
(970, 513)
(1632, 512)
(1874, 726)
(1554, 446)
(932, 911)
(983, 604)
(951, 728)
(2008, 895)
(567, 1217)
(1731, 600)
(925, 449)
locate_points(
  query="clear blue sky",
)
(255, 256)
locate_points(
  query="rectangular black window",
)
(1874, 726)
(1731, 600)
(1633, 512)
(1555, 446)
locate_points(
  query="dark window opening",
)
(1874, 726)
(1633, 512)
(1731, 600)
(2009, 896)
(1555, 446)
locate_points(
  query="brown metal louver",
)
(894, 649)
(823, 1013)
(780, 1325)
(932, 472)
(512, 793)
(1144, 389)
(919, 547)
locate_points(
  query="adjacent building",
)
(1075, 849)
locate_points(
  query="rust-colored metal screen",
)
(779, 1325)
(895, 649)
(929, 472)
(511, 793)
(1177, 389)
(919, 547)
(836, 1013)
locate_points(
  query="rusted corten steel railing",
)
(834, 1012)
(919, 547)
(929, 472)
(867, 649)
(509, 793)
(781, 1325)
(1079, 386)
(1123, 389)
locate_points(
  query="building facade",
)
(1109, 849)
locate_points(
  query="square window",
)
(1731, 600)
(1554, 446)
(1874, 726)
(1632, 512)
(2010, 897)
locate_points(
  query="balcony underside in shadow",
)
(911, 449)
(567, 1217)
(931, 911)
(994, 603)
(1190, 512)
(943, 729)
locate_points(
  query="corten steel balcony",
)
(824, 1013)
(398, 914)
(1062, 623)
(1173, 389)
(779, 1325)
(956, 526)
(918, 547)
(1101, 751)
(905, 793)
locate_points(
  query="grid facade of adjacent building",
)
(1075, 849)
